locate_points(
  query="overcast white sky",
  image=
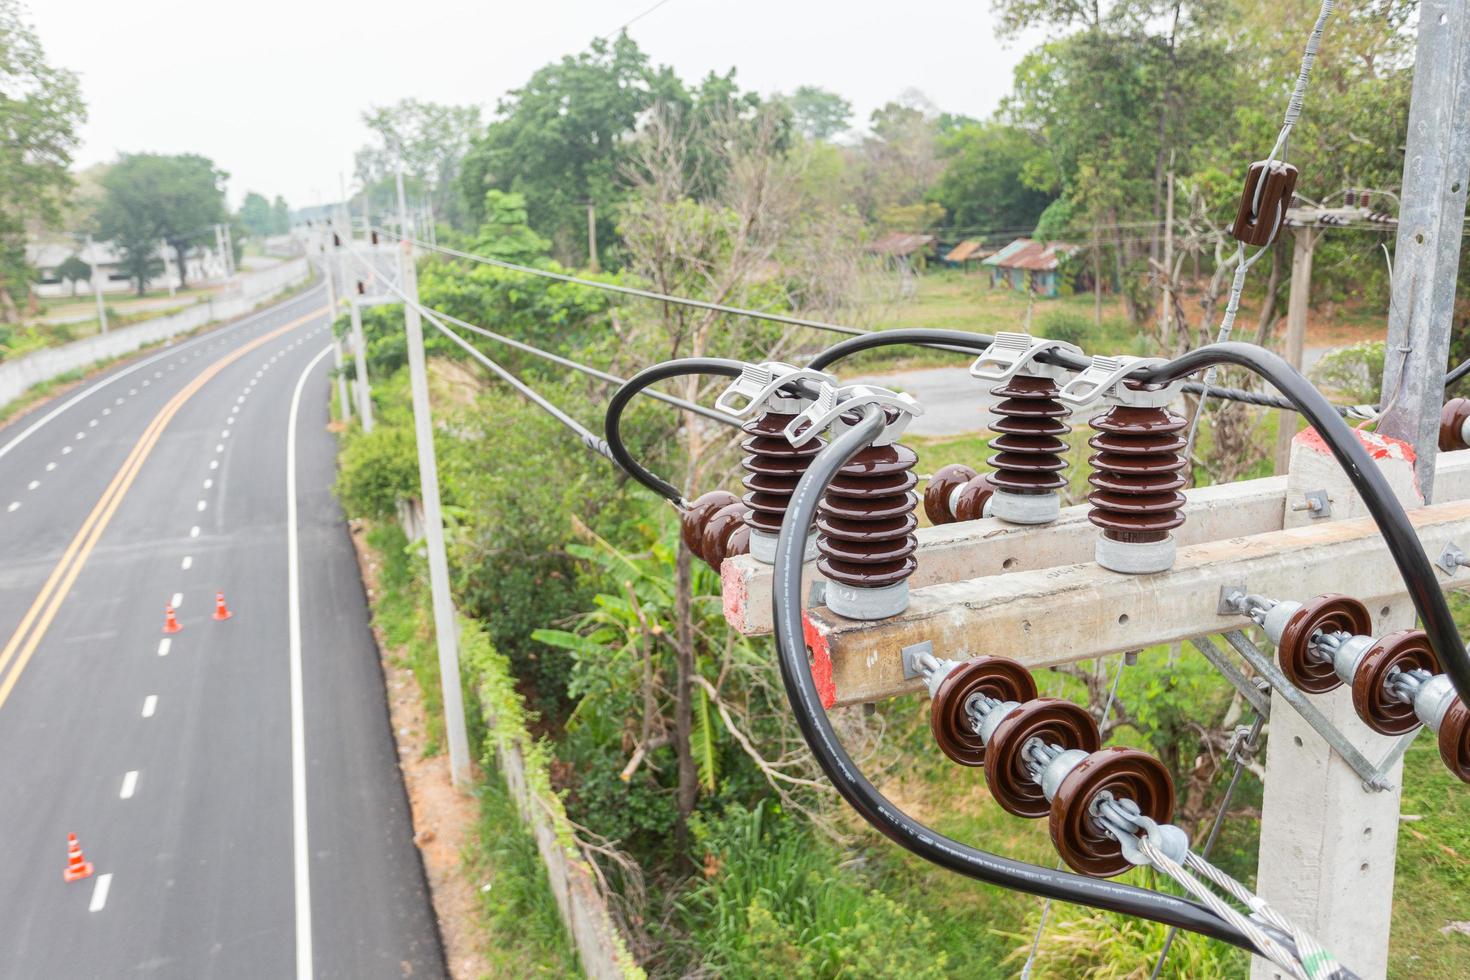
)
(272, 90)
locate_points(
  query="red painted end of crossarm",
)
(816, 642)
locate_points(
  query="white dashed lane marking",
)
(50, 466)
(163, 646)
(187, 563)
(129, 785)
(14, 506)
(202, 504)
(194, 531)
(33, 484)
(150, 705)
(178, 599)
(99, 892)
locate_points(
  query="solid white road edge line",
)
(93, 389)
(301, 854)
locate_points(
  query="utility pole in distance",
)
(359, 361)
(446, 626)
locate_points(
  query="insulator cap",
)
(1405, 650)
(1330, 613)
(1129, 775)
(772, 470)
(969, 505)
(713, 527)
(1258, 225)
(1029, 448)
(1454, 740)
(1452, 419)
(996, 677)
(1137, 473)
(866, 521)
(1054, 721)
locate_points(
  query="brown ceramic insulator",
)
(1129, 775)
(866, 520)
(1055, 722)
(772, 469)
(1257, 220)
(996, 677)
(1331, 613)
(1454, 740)
(1406, 650)
(1028, 458)
(975, 489)
(1137, 473)
(713, 527)
(1452, 420)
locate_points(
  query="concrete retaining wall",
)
(20, 375)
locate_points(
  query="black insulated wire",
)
(871, 805)
(612, 427)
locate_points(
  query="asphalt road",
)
(235, 784)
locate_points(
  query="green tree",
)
(504, 233)
(983, 186)
(431, 140)
(40, 110)
(817, 113)
(74, 270)
(562, 140)
(280, 216)
(149, 197)
(256, 216)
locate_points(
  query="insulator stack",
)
(865, 538)
(1138, 471)
(957, 493)
(713, 527)
(1454, 425)
(1028, 463)
(772, 470)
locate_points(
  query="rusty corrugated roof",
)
(1031, 255)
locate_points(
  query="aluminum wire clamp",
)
(1103, 380)
(760, 384)
(1010, 353)
(832, 403)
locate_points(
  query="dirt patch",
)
(443, 818)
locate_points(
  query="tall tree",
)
(431, 139)
(817, 113)
(255, 215)
(280, 216)
(150, 197)
(562, 141)
(983, 186)
(40, 111)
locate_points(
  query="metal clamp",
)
(1103, 380)
(914, 658)
(1451, 558)
(760, 383)
(1316, 503)
(832, 403)
(1010, 353)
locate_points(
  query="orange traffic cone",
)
(77, 867)
(221, 611)
(170, 621)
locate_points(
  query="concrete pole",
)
(1297, 304)
(592, 237)
(342, 399)
(97, 286)
(1431, 220)
(229, 237)
(359, 361)
(446, 628)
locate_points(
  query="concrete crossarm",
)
(972, 549)
(1073, 612)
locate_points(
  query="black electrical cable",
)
(659, 372)
(1458, 372)
(1388, 513)
(898, 826)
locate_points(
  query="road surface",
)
(234, 784)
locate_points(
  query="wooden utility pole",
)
(1297, 304)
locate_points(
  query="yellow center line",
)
(28, 635)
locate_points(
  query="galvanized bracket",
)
(1232, 600)
(1371, 775)
(1451, 558)
(913, 656)
(1316, 503)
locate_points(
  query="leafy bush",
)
(378, 469)
(1355, 370)
(772, 904)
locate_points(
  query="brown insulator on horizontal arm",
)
(865, 533)
(713, 527)
(1138, 473)
(950, 719)
(1332, 613)
(957, 493)
(1402, 650)
(1028, 463)
(772, 467)
(1052, 721)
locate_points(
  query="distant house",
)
(46, 258)
(903, 247)
(1029, 265)
(968, 251)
